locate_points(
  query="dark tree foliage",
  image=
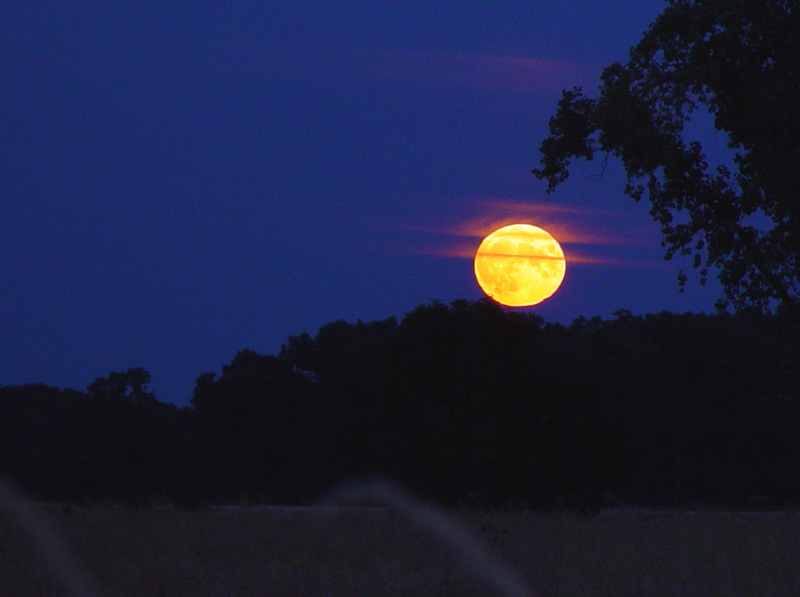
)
(255, 432)
(102, 445)
(466, 402)
(739, 61)
(128, 386)
(462, 402)
(712, 401)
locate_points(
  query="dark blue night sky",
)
(181, 180)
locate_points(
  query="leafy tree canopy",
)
(738, 60)
(132, 385)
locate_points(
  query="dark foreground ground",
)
(362, 551)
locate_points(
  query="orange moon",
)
(520, 265)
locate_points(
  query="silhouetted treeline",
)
(461, 403)
(112, 442)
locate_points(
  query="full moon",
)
(520, 265)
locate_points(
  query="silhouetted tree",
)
(700, 394)
(460, 401)
(37, 425)
(131, 385)
(255, 429)
(76, 446)
(740, 61)
(457, 402)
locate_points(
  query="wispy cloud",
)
(570, 224)
(515, 74)
(525, 75)
(585, 259)
(580, 230)
(467, 251)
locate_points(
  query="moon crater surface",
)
(520, 265)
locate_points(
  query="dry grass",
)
(240, 552)
(329, 551)
(630, 553)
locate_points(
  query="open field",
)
(328, 551)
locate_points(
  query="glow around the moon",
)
(520, 265)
